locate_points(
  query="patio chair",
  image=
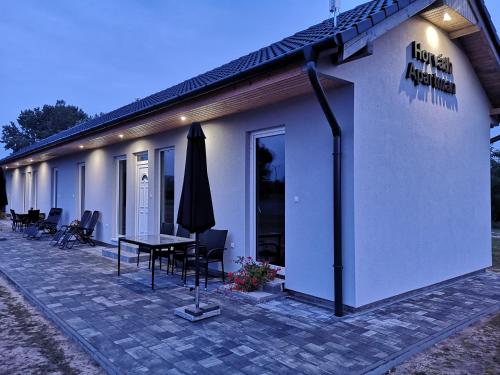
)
(64, 231)
(48, 225)
(165, 228)
(32, 218)
(211, 250)
(82, 233)
(179, 251)
(15, 221)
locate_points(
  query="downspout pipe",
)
(310, 56)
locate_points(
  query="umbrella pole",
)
(197, 276)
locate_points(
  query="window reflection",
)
(270, 199)
(167, 186)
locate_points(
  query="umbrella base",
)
(190, 313)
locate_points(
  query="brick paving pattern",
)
(132, 329)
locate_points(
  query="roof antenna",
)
(334, 10)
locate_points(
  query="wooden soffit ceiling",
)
(247, 95)
(460, 20)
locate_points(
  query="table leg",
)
(119, 255)
(153, 255)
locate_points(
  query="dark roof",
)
(349, 25)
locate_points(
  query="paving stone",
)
(135, 328)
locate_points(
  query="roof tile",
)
(349, 23)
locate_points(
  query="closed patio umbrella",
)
(3, 191)
(196, 212)
(3, 194)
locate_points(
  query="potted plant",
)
(252, 275)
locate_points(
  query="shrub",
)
(252, 274)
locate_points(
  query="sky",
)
(102, 54)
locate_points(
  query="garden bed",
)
(270, 291)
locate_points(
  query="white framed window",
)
(30, 190)
(34, 189)
(26, 190)
(55, 187)
(267, 196)
(121, 195)
(166, 189)
(81, 188)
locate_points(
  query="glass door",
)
(269, 196)
(81, 188)
(121, 196)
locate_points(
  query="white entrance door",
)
(142, 199)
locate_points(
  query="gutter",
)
(310, 56)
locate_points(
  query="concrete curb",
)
(395, 359)
(101, 360)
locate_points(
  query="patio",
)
(129, 328)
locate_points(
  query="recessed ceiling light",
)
(183, 118)
(7, 167)
(81, 146)
(120, 135)
(31, 159)
(17, 163)
(446, 17)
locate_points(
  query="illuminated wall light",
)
(432, 37)
(81, 146)
(183, 118)
(120, 135)
(31, 160)
(446, 17)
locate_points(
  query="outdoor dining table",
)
(156, 243)
(24, 215)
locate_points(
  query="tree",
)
(495, 183)
(36, 124)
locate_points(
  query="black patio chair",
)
(179, 251)
(211, 250)
(47, 226)
(165, 228)
(31, 219)
(15, 220)
(82, 233)
(64, 232)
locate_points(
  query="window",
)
(55, 186)
(167, 185)
(121, 195)
(26, 191)
(34, 189)
(142, 156)
(268, 196)
(81, 187)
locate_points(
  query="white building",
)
(415, 152)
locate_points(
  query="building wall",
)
(415, 176)
(308, 163)
(421, 170)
